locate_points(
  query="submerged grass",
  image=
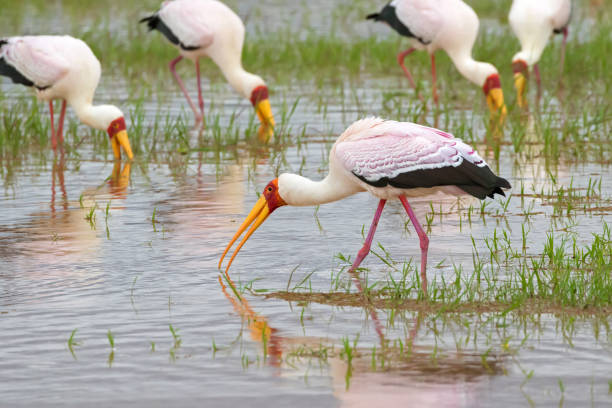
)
(564, 279)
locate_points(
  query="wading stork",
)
(533, 22)
(63, 67)
(390, 160)
(208, 28)
(450, 25)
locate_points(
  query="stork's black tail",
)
(151, 21)
(488, 185)
(373, 16)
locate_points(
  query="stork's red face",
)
(521, 73)
(495, 97)
(118, 136)
(269, 201)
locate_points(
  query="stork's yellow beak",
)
(264, 113)
(495, 101)
(120, 139)
(520, 83)
(258, 215)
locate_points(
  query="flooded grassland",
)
(109, 285)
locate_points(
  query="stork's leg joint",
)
(424, 242)
(364, 251)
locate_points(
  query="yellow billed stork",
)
(208, 28)
(65, 68)
(450, 25)
(390, 160)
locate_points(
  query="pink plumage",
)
(388, 149)
(44, 60)
(189, 21)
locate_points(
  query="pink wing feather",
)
(36, 59)
(422, 17)
(390, 148)
(187, 20)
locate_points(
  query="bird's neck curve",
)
(241, 80)
(476, 72)
(96, 116)
(300, 191)
(530, 58)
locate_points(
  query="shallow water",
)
(135, 278)
(145, 259)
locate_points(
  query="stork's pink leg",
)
(400, 59)
(363, 252)
(172, 67)
(433, 79)
(423, 240)
(200, 99)
(53, 139)
(563, 44)
(536, 73)
(60, 125)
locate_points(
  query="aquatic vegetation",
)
(72, 343)
(515, 282)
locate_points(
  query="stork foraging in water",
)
(533, 22)
(390, 160)
(63, 67)
(208, 28)
(450, 25)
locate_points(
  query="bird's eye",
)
(269, 189)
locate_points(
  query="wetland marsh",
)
(110, 292)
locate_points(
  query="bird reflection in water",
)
(64, 229)
(414, 375)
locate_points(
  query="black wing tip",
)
(151, 21)
(373, 16)
(3, 42)
(503, 183)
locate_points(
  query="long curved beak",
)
(121, 140)
(520, 83)
(257, 216)
(264, 113)
(495, 101)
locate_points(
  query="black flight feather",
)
(156, 23)
(479, 182)
(11, 72)
(389, 16)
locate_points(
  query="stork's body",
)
(533, 22)
(450, 25)
(208, 28)
(65, 68)
(390, 160)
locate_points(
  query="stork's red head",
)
(118, 136)
(521, 74)
(495, 97)
(269, 201)
(261, 103)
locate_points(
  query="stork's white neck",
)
(301, 191)
(96, 116)
(242, 81)
(475, 71)
(530, 56)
